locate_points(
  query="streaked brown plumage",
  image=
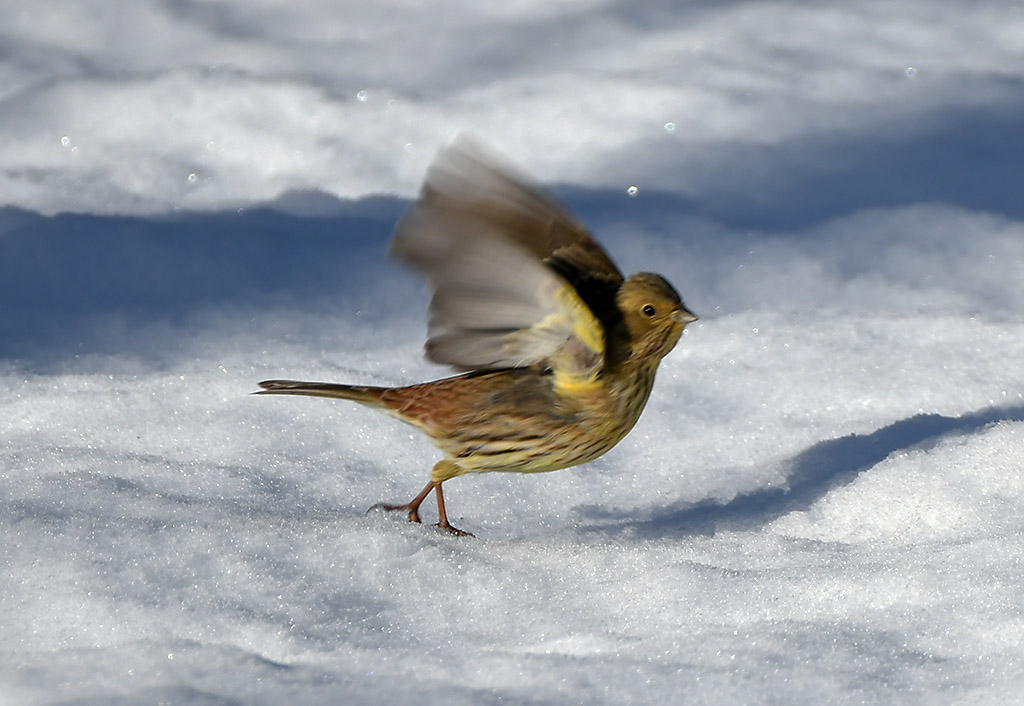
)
(560, 350)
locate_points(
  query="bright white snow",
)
(823, 503)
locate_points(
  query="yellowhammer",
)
(559, 350)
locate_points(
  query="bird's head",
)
(654, 314)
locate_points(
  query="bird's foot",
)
(413, 508)
(454, 530)
(414, 514)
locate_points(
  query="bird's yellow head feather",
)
(654, 314)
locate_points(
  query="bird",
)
(555, 351)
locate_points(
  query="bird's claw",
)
(414, 515)
(454, 530)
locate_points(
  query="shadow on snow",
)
(813, 473)
(76, 283)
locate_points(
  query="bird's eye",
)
(649, 310)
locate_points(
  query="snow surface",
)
(823, 503)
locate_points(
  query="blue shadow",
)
(61, 277)
(812, 474)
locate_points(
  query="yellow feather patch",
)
(577, 364)
(585, 325)
(572, 383)
(570, 340)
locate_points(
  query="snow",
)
(823, 502)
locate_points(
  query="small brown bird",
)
(558, 350)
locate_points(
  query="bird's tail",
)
(357, 393)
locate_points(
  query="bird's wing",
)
(514, 275)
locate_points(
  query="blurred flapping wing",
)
(517, 280)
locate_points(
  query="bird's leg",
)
(444, 470)
(442, 515)
(413, 506)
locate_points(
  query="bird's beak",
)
(683, 316)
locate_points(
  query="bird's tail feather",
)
(356, 393)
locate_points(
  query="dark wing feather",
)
(517, 280)
(463, 177)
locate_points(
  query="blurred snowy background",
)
(824, 502)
